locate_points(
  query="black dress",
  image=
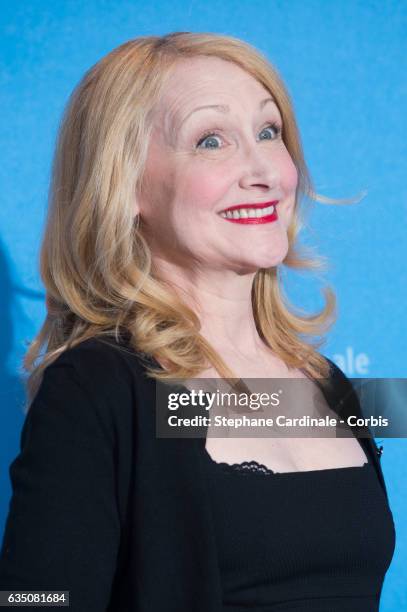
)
(318, 540)
(122, 519)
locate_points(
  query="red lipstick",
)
(269, 218)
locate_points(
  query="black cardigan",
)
(101, 506)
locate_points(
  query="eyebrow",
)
(223, 108)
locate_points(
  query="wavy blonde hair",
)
(95, 263)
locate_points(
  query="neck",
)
(222, 300)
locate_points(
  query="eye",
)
(275, 127)
(211, 135)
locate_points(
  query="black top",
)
(314, 540)
(103, 508)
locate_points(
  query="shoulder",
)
(100, 355)
(335, 370)
(342, 394)
(103, 360)
(337, 375)
(99, 375)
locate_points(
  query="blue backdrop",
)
(344, 63)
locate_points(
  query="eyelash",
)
(212, 132)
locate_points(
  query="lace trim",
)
(253, 467)
(246, 467)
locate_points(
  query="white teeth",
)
(248, 213)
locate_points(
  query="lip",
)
(258, 205)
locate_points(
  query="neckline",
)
(254, 468)
(364, 442)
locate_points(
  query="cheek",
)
(289, 175)
(159, 187)
(202, 187)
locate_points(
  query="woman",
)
(174, 202)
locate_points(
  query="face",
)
(202, 162)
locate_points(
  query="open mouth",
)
(248, 213)
(251, 214)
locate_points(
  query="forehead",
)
(206, 80)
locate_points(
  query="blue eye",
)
(274, 127)
(207, 136)
(210, 136)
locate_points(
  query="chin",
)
(269, 258)
(254, 266)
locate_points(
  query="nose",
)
(258, 169)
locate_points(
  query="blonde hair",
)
(95, 263)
